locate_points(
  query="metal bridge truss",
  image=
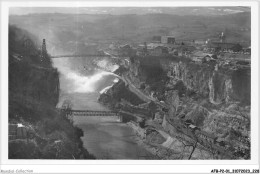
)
(80, 56)
(89, 113)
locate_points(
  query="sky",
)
(129, 10)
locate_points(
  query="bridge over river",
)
(91, 113)
(88, 55)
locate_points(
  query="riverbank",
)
(164, 145)
(193, 120)
(129, 106)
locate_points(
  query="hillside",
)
(33, 95)
(63, 30)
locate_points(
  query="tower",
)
(222, 37)
(44, 50)
(145, 48)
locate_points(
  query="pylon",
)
(44, 50)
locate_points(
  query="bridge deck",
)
(85, 55)
(91, 113)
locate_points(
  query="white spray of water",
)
(84, 84)
(116, 80)
(105, 64)
(108, 87)
(105, 89)
(77, 82)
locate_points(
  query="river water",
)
(81, 83)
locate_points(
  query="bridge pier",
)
(120, 118)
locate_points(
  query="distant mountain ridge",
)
(66, 30)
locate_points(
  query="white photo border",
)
(132, 166)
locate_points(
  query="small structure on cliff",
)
(44, 50)
(168, 39)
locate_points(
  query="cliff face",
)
(209, 80)
(33, 95)
(217, 84)
(211, 96)
(113, 96)
(33, 82)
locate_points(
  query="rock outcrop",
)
(211, 96)
(119, 91)
(220, 85)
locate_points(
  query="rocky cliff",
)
(118, 92)
(33, 95)
(213, 96)
(220, 84)
(32, 79)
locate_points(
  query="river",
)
(104, 137)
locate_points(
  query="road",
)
(139, 93)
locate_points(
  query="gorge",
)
(178, 101)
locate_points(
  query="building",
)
(113, 46)
(126, 50)
(221, 46)
(174, 52)
(206, 137)
(198, 56)
(247, 50)
(167, 39)
(157, 39)
(17, 131)
(222, 37)
(159, 51)
(193, 128)
(154, 45)
(142, 50)
(185, 50)
(199, 42)
(210, 57)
